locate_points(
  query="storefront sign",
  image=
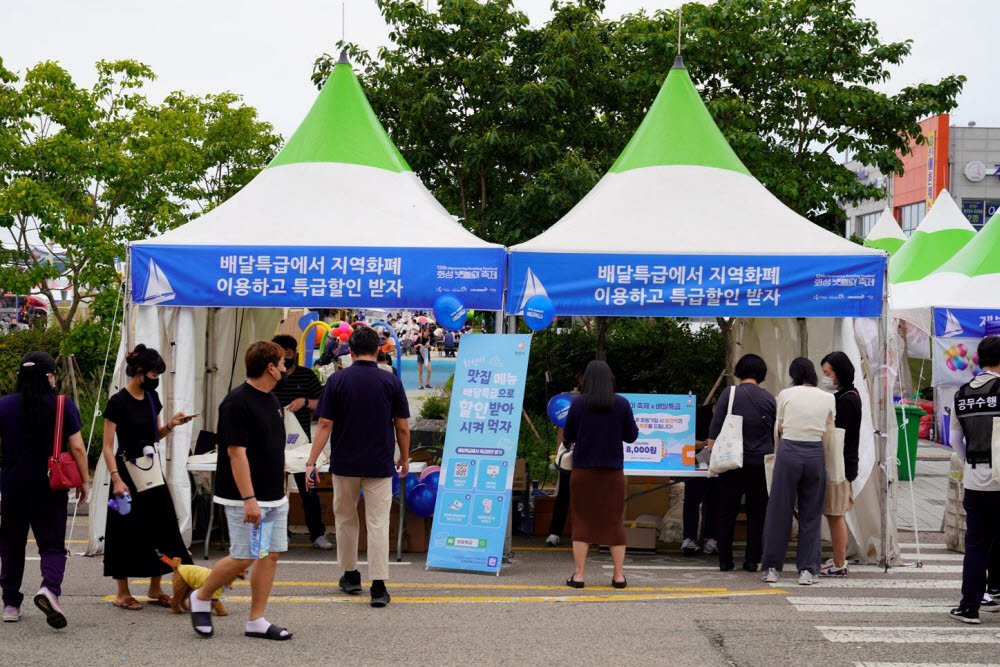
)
(992, 206)
(477, 469)
(666, 435)
(973, 210)
(931, 150)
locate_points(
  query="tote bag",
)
(145, 471)
(564, 457)
(727, 452)
(63, 471)
(833, 451)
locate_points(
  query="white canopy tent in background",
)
(643, 243)
(886, 235)
(337, 220)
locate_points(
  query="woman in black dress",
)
(132, 542)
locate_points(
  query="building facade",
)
(963, 160)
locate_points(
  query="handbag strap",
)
(732, 398)
(57, 438)
(152, 408)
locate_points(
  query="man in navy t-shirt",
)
(363, 412)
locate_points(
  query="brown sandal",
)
(163, 600)
(128, 604)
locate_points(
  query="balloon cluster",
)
(421, 490)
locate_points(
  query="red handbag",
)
(63, 471)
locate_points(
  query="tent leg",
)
(498, 324)
(883, 401)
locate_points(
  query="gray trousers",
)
(799, 475)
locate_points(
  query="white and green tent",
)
(942, 233)
(886, 234)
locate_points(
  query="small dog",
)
(188, 578)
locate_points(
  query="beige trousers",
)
(378, 503)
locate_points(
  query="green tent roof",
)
(678, 130)
(979, 257)
(341, 127)
(941, 234)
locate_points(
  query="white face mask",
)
(826, 383)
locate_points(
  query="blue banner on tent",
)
(477, 468)
(666, 435)
(699, 286)
(264, 276)
(963, 322)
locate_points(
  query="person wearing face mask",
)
(133, 542)
(27, 433)
(299, 393)
(838, 377)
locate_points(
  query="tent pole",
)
(211, 368)
(883, 399)
(127, 306)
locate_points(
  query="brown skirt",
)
(597, 504)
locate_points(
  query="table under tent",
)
(955, 307)
(336, 220)
(680, 228)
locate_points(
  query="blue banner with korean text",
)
(963, 322)
(477, 468)
(345, 277)
(666, 443)
(699, 286)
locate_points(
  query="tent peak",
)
(343, 59)
(678, 62)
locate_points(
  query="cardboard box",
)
(297, 516)
(520, 475)
(640, 533)
(649, 502)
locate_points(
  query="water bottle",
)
(122, 505)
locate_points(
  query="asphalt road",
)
(678, 611)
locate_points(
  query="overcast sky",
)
(264, 49)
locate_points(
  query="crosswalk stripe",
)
(924, 556)
(854, 605)
(926, 569)
(637, 566)
(331, 562)
(918, 664)
(908, 635)
(924, 546)
(895, 582)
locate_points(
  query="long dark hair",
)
(144, 360)
(35, 389)
(598, 386)
(842, 368)
(802, 372)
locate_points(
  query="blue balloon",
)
(432, 479)
(420, 499)
(412, 479)
(449, 312)
(558, 409)
(539, 312)
(395, 485)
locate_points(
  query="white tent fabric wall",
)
(183, 338)
(778, 341)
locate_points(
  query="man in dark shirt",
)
(299, 393)
(250, 484)
(363, 412)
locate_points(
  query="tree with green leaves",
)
(510, 124)
(83, 171)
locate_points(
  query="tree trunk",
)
(727, 339)
(602, 338)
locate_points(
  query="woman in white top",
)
(805, 412)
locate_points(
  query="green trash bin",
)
(908, 421)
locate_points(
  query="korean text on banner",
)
(666, 435)
(477, 469)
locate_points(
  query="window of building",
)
(865, 223)
(909, 216)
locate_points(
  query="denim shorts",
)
(239, 532)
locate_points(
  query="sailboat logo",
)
(532, 287)
(952, 327)
(158, 289)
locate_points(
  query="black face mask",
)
(150, 384)
(290, 363)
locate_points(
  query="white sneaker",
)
(771, 576)
(48, 603)
(322, 543)
(552, 540)
(11, 614)
(989, 603)
(689, 547)
(711, 547)
(807, 578)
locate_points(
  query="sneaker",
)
(380, 596)
(552, 540)
(350, 583)
(965, 615)
(771, 576)
(830, 570)
(688, 547)
(711, 547)
(749, 566)
(989, 603)
(807, 578)
(323, 543)
(49, 604)
(11, 614)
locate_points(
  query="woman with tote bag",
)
(805, 414)
(756, 408)
(132, 541)
(838, 376)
